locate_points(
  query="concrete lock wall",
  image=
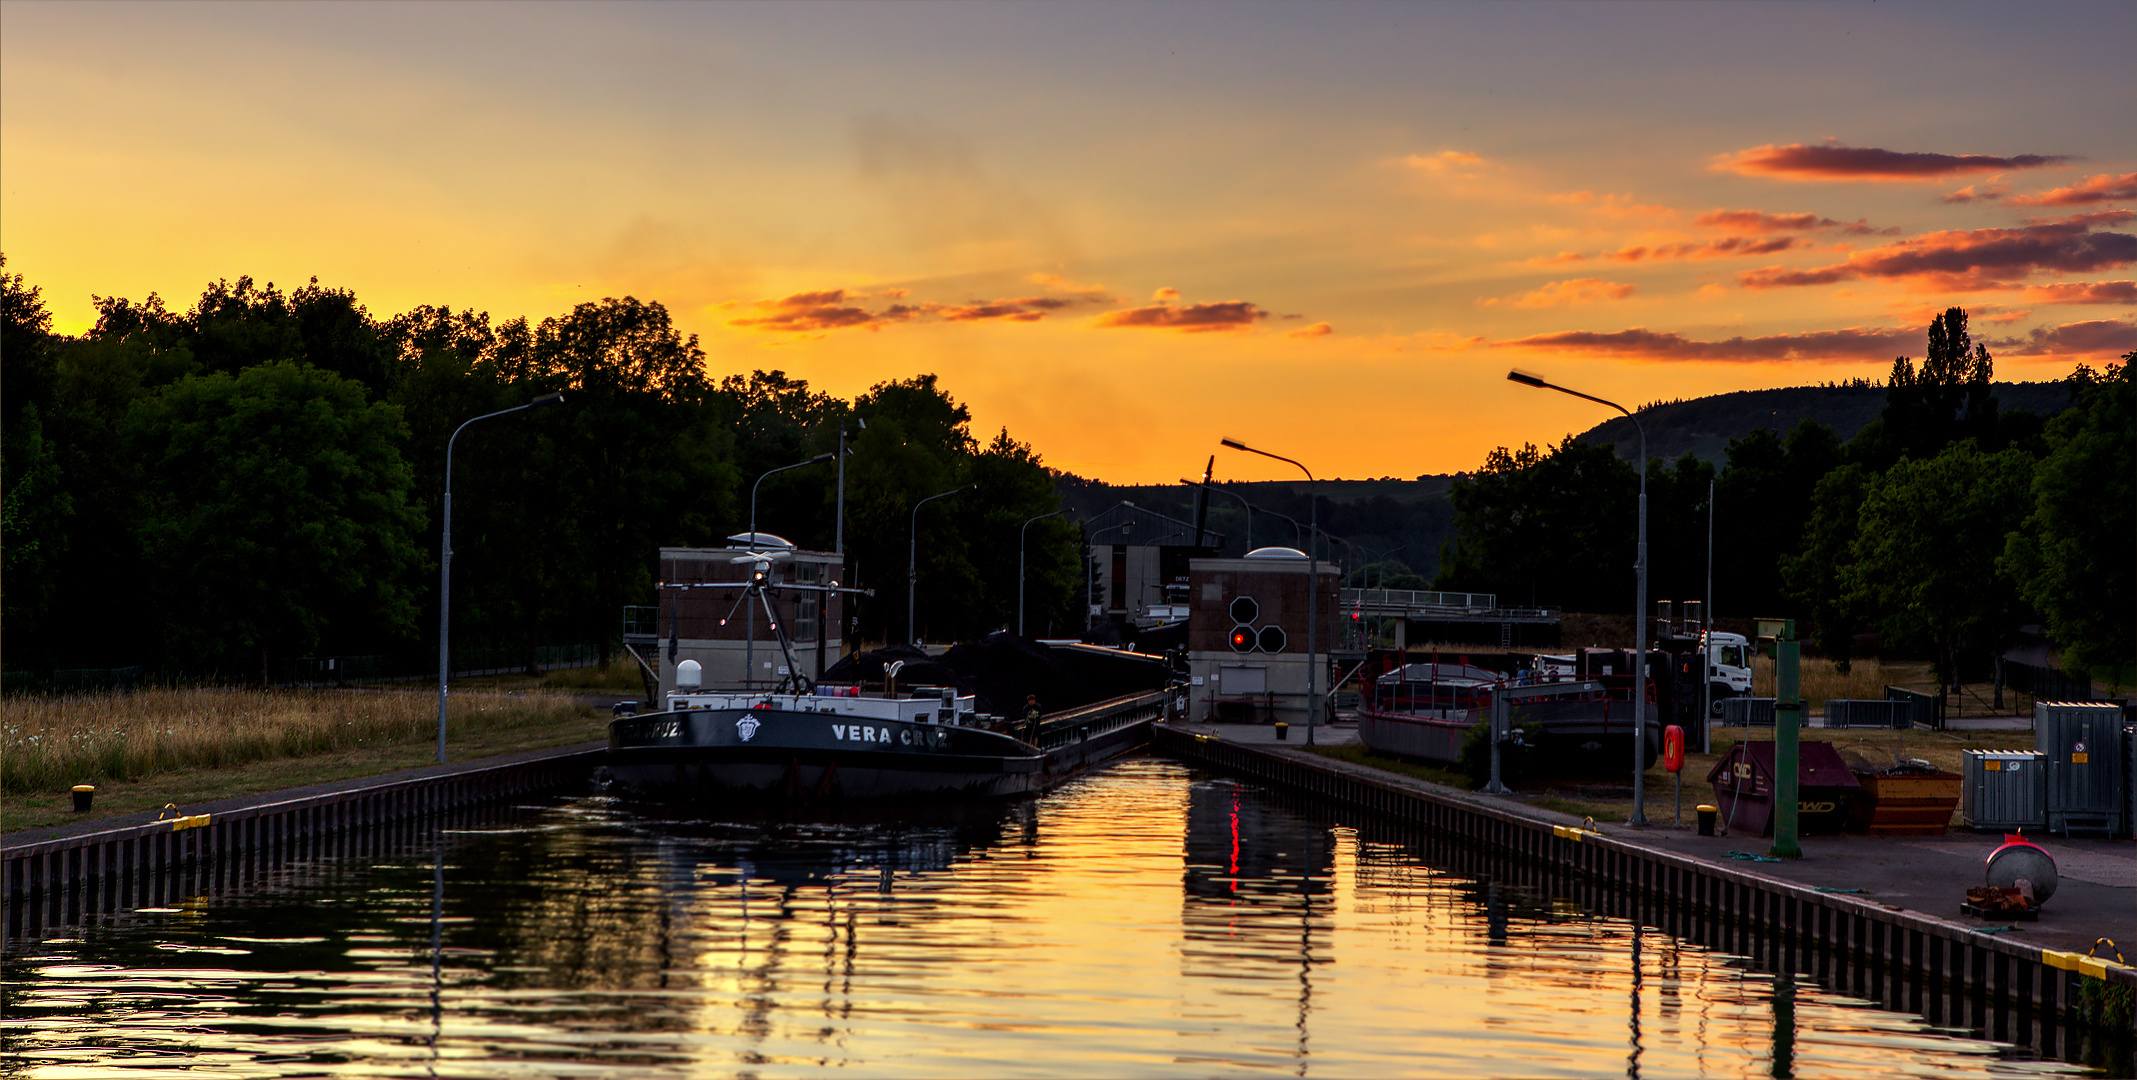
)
(1903, 960)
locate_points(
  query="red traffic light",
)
(1242, 639)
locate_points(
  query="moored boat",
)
(849, 743)
(1572, 725)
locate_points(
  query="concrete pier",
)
(1880, 912)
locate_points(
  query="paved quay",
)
(269, 798)
(2096, 896)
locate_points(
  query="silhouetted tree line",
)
(1942, 526)
(259, 477)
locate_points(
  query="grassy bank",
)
(145, 749)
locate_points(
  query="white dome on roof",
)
(1276, 553)
(764, 540)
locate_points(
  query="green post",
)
(1787, 722)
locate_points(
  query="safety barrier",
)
(1902, 959)
(100, 876)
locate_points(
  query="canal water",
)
(1148, 921)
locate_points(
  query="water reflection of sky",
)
(1141, 923)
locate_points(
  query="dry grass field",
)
(154, 746)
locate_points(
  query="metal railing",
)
(1414, 599)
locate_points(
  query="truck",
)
(1728, 664)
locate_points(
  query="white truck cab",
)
(1728, 666)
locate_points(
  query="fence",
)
(1847, 713)
(1928, 708)
(2045, 683)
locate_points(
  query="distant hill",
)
(1703, 426)
(1383, 513)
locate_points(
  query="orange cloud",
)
(1061, 284)
(1712, 249)
(1319, 329)
(1567, 294)
(1798, 161)
(829, 309)
(838, 309)
(2102, 337)
(1760, 223)
(2085, 292)
(1989, 192)
(2092, 189)
(1640, 343)
(1193, 318)
(1974, 259)
(1559, 259)
(1444, 163)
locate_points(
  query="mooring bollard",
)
(1283, 731)
(83, 794)
(1707, 813)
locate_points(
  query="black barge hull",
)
(725, 754)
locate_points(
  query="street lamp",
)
(1091, 568)
(1244, 504)
(1020, 565)
(912, 555)
(445, 561)
(1639, 603)
(1313, 589)
(838, 541)
(749, 610)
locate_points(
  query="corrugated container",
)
(1747, 711)
(1845, 713)
(2083, 744)
(2005, 789)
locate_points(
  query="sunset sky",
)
(1124, 231)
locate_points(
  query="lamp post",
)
(1313, 589)
(1244, 504)
(838, 541)
(1093, 566)
(1020, 566)
(912, 556)
(1639, 604)
(445, 561)
(749, 610)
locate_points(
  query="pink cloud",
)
(1829, 161)
(1854, 343)
(2093, 189)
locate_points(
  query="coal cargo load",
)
(1003, 669)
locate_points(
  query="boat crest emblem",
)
(746, 727)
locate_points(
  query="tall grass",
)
(49, 744)
(1820, 680)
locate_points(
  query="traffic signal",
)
(1242, 639)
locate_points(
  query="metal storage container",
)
(1844, 713)
(2005, 789)
(2083, 744)
(1747, 712)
